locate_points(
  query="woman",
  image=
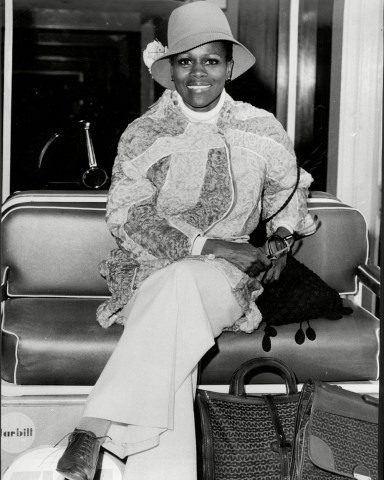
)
(186, 193)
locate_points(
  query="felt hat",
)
(194, 24)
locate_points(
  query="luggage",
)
(323, 433)
(246, 436)
(336, 434)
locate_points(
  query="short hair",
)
(228, 46)
(228, 50)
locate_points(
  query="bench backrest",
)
(53, 242)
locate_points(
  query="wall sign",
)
(17, 432)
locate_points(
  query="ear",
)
(228, 75)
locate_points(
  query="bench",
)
(53, 242)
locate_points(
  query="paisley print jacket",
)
(174, 181)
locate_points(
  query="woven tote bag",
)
(247, 437)
(336, 434)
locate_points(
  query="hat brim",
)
(243, 59)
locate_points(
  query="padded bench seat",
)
(52, 243)
(72, 348)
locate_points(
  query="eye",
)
(212, 61)
(184, 61)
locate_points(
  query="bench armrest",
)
(369, 275)
(4, 282)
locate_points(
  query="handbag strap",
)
(290, 196)
(302, 417)
(284, 446)
(260, 365)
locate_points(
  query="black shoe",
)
(80, 458)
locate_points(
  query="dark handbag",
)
(247, 436)
(298, 296)
(336, 434)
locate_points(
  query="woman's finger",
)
(269, 275)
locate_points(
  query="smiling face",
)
(200, 74)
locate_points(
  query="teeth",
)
(198, 87)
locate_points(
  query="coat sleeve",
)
(132, 216)
(281, 177)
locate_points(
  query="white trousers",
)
(147, 387)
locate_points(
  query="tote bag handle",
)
(260, 365)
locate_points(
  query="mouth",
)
(197, 88)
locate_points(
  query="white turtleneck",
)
(205, 117)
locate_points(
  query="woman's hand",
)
(279, 263)
(274, 272)
(244, 256)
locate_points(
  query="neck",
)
(194, 116)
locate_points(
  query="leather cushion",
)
(53, 248)
(56, 249)
(58, 342)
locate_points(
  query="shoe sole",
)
(71, 476)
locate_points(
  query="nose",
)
(199, 70)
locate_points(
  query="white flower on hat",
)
(153, 51)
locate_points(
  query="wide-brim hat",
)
(195, 24)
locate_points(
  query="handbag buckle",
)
(362, 473)
(275, 447)
(273, 247)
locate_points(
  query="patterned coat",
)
(174, 181)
